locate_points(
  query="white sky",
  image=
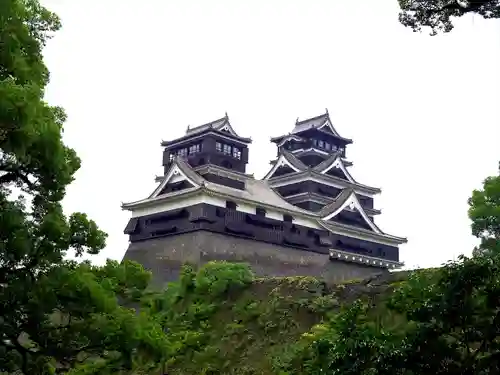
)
(423, 111)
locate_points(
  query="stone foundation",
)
(165, 256)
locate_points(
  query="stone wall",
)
(165, 256)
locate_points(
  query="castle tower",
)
(311, 170)
(306, 217)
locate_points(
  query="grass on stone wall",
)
(223, 320)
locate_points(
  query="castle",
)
(307, 216)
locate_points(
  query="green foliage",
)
(55, 315)
(484, 211)
(216, 278)
(438, 14)
(221, 320)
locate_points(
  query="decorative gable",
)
(227, 128)
(336, 167)
(328, 127)
(177, 178)
(348, 210)
(286, 162)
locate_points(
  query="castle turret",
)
(214, 143)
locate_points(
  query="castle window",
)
(230, 205)
(182, 152)
(321, 144)
(315, 142)
(194, 149)
(226, 149)
(259, 211)
(327, 145)
(288, 218)
(218, 146)
(236, 153)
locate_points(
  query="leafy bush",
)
(216, 278)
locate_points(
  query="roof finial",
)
(226, 115)
(326, 110)
(297, 121)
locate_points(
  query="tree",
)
(55, 314)
(441, 321)
(438, 14)
(484, 212)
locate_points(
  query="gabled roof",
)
(321, 123)
(347, 199)
(286, 159)
(257, 191)
(334, 161)
(222, 126)
(179, 170)
(335, 181)
(219, 124)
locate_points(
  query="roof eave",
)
(236, 137)
(185, 138)
(355, 230)
(152, 201)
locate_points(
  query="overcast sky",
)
(423, 111)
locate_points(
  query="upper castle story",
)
(213, 143)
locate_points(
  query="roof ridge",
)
(328, 161)
(188, 170)
(339, 201)
(326, 114)
(210, 123)
(292, 159)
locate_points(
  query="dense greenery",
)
(54, 313)
(438, 14)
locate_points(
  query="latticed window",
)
(236, 153)
(321, 144)
(218, 146)
(226, 149)
(182, 152)
(194, 149)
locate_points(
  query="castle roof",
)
(302, 171)
(258, 193)
(221, 126)
(311, 175)
(321, 123)
(347, 199)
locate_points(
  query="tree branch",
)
(13, 175)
